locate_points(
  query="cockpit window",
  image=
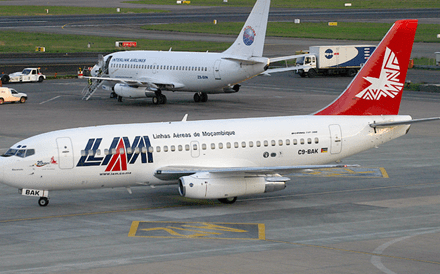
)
(19, 152)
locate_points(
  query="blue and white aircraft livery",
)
(223, 159)
(141, 74)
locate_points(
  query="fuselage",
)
(182, 71)
(129, 155)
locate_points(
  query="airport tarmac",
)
(329, 223)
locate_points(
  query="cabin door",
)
(217, 75)
(335, 139)
(65, 153)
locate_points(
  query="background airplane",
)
(223, 159)
(140, 74)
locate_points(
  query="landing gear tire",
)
(119, 98)
(203, 97)
(197, 97)
(159, 99)
(200, 97)
(113, 95)
(162, 99)
(43, 201)
(230, 200)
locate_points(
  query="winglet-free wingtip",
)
(185, 118)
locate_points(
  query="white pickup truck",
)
(11, 95)
(27, 75)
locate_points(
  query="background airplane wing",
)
(151, 83)
(175, 172)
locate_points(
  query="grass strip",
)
(343, 31)
(61, 10)
(316, 4)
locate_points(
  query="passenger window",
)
(129, 150)
(258, 144)
(83, 153)
(309, 141)
(165, 148)
(204, 146)
(220, 145)
(187, 147)
(243, 144)
(212, 146)
(158, 149)
(316, 140)
(280, 142)
(287, 142)
(90, 152)
(113, 151)
(236, 144)
(266, 143)
(137, 150)
(295, 142)
(302, 141)
(121, 151)
(180, 147)
(228, 145)
(195, 147)
(173, 148)
(150, 149)
(144, 150)
(251, 144)
(273, 143)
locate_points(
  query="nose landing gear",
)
(43, 201)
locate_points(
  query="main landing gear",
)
(200, 97)
(43, 201)
(159, 98)
(229, 200)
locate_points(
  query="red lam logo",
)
(118, 162)
(388, 83)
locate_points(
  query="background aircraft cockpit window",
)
(19, 152)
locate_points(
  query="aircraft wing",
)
(175, 172)
(151, 83)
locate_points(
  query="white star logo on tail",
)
(388, 83)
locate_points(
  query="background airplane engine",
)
(125, 90)
(209, 186)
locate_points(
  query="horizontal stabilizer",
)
(407, 122)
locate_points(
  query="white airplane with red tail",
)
(223, 159)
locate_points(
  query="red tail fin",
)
(377, 88)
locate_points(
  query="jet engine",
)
(212, 186)
(125, 90)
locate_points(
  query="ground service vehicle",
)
(325, 60)
(11, 95)
(328, 60)
(27, 75)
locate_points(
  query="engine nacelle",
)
(125, 90)
(206, 186)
